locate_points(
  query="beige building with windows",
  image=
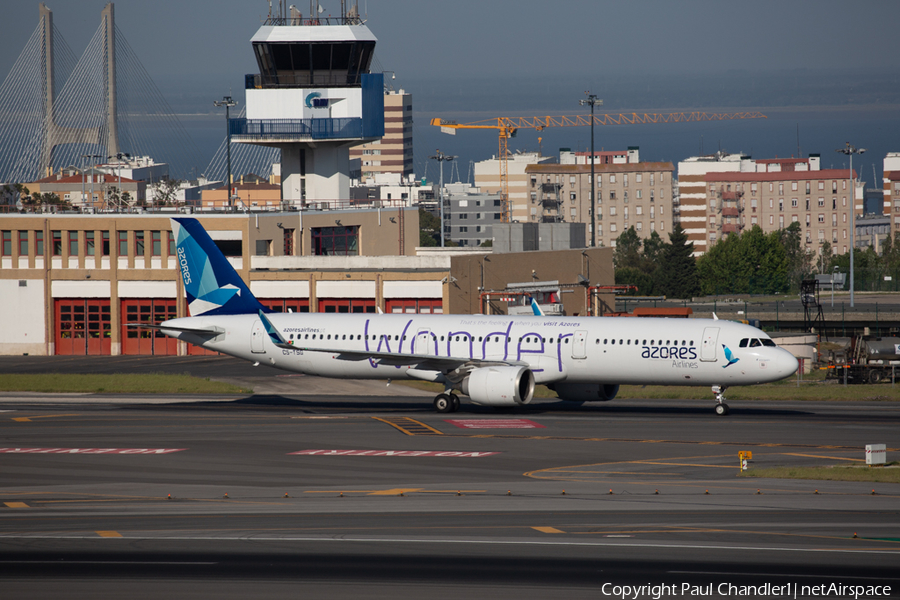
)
(91, 188)
(629, 192)
(727, 194)
(638, 195)
(393, 153)
(73, 283)
(891, 182)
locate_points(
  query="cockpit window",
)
(743, 343)
(769, 343)
(755, 343)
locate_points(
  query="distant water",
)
(821, 130)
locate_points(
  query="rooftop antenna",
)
(798, 141)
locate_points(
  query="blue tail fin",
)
(211, 284)
(535, 308)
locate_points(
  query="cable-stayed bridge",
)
(57, 110)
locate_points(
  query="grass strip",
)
(887, 474)
(783, 390)
(119, 383)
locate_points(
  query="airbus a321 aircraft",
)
(494, 360)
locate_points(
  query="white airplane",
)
(494, 360)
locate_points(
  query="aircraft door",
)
(424, 343)
(709, 343)
(579, 348)
(257, 338)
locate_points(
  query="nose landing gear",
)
(721, 407)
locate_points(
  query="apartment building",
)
(392, 153)
(724, 194)
(629, 194)
(892, 188)
(91, 188)
(487, 178)
(469, 214)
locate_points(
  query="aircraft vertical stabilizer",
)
(211, 284)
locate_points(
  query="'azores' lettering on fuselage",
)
(669, 352)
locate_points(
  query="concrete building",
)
(724, 194)
(469, 214)
(255, 195)
(393, 153)
(392, 187)
(137, 168)
(92, 189)
(872, 230)
(525, 237)
(487, 178)
(891, 183)
(74, 282)
(629, 194)
(601, 157)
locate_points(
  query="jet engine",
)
(586, 392)
(499, 386)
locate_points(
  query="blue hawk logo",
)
(729, 356)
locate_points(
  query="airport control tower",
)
(313, 98)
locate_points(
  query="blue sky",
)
(473, 59)
(186, 43)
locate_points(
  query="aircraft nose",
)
(788, 363)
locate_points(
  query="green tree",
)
(653, 249)
(676, 274)
(165, 191)
(636, 277)
(750, 263)
(798, 259)
(628, 250)
(429, 229)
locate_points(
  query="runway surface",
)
(372, 496)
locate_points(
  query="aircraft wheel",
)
(455, 400)
(721, 409)
(443, 403)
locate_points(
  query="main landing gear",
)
(447, 402)
(721, 407)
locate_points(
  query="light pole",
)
(227, 102)
(441, 157)
(592, 101)
(850, 150)
(834, 272)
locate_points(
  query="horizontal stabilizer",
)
(197, 330)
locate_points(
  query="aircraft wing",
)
(425, 362)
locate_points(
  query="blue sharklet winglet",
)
(273, 332)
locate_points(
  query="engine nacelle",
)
(586, 392)
(499, 386)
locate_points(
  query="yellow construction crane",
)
(506, 128)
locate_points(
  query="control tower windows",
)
(285, 64)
